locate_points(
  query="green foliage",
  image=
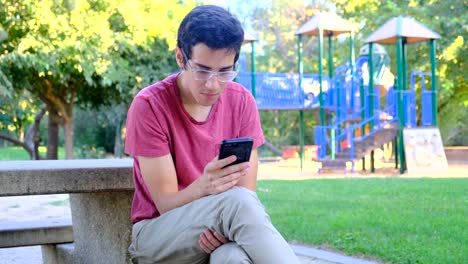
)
(281, 128)
(275, 26)
(16, 113)
(395, 220)
(91, 152)
(85, 53)
(98, 54)
(97, 132)
(138, 66)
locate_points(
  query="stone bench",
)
(32, 233)
(100, 192)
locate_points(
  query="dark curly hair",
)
(213, 26)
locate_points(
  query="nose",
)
(212, 82)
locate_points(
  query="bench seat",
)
(32, 233)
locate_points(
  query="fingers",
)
(227, 184)
(208, 248)
(224, 162)
(230, 179)
(210, 241)
(220, 165)
(220, 238)
(218, 178)
(229, 176)
(235, 168)
(244, 171)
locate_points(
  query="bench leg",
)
(101, 228)
(49, 254)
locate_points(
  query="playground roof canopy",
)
(406, 27)
(330, 23)
(248, 37)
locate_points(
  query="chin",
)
(208, 101)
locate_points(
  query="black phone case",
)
(241, 147)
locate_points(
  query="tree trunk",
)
(32, 139)
(52, 136)
(68, 132)
(60, 109)
(118, 141)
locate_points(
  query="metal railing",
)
(282, 91)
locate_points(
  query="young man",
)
(188, 207)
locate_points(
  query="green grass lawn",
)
(391, 219)
(18, 153)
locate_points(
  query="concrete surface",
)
(39, 232)
(65, 176)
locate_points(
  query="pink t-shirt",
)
(157, 124)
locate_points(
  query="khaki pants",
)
(237, 214)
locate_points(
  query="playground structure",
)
(355, 125)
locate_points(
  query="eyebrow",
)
(204, 67)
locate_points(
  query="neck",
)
(198, 112)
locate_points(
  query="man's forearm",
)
(168, 201)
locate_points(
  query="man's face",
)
(194, 89)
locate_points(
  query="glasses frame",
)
(211, 73)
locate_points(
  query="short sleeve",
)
(145, 134)
(251, 125)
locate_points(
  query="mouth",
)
(210, 95)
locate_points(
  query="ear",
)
(179, 58)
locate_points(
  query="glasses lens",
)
(222, 76)
(202, 75)
(226, 76)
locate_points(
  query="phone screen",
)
(241, 147)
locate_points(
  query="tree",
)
(67, 53)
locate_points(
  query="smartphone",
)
(241, 147)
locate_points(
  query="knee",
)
(230, 253)
(241, 195)
(245, 202)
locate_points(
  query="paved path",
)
(32, 255)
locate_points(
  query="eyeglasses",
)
(205, 75)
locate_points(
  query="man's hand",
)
(217, 179)
(211, 240)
